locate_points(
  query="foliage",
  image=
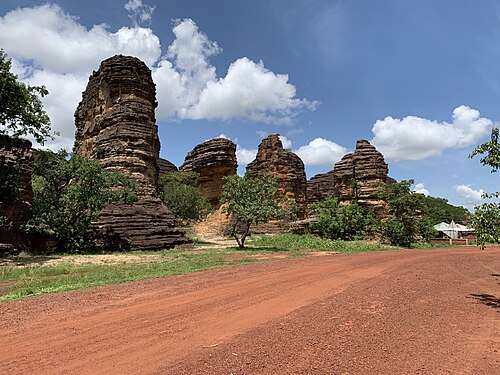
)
(437, 210)
(9, 182)
(491, 150)
(486, 221)
(250, 201)
(290, 242)
(406, 224)
(21, 110)
(486, 218)
(345, 222)
(180, 195)
(68, 196)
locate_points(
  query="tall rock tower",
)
(115, 124)
(273, 160)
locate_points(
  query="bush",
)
(345, 222)
(68, 196)
(180, 195)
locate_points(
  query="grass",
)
(38, 279)
(39, 276)
(290, 241)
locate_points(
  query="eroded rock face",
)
(272, 159)
(321, 186)
(165, 166)
(212, 160)
(115, 124)
(16, 155)
(361, 174)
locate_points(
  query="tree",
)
(437, 210)
(491, 151)
(68, 196)
(9, 182)
(21, 110)
(344, 222)
(250, 201)
(406, 224)
(486, 217)
(180, 195)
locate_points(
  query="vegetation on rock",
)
(69, 193)
(181, 196)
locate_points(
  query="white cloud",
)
(415, 138)
(139, 13)
(57, 42)
(287, 144)
(245, 156)
(249, 90)
(468, 195)
(420, 189)
(321, 152)
(50, 47)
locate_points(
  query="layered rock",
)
(16, 156)
(165, 166)
(272, 159)
(321, 186)
(360, 175)
(115, 124)
(212, 160)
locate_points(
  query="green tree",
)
(405, 225)
(21, 110)
(436, 210)
(180, 195)
(9, 181)
(490, 150)
(486, 217)
(250, 201)
(345, 222)
(68, 196)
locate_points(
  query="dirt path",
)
(391, 312)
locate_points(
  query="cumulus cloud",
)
(55, 41)
(415, 138)
(139, 13)
(468, 195)
(420, 189)
(245, 156)
(321, 152)
(53, 48)
(287, 144)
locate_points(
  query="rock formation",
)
(115, 124)
(272, 159)
(361, 175)
(16, 156)
(165, 166)
(212, 160)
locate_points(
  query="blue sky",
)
(418, 79)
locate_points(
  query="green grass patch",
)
(289, 241)
(36, 279)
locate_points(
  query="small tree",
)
(406, 223)
(486, 217)
(180, 195)
(250, 201)
(68, 196)
(345, 222)
(21, 110)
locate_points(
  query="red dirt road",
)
(389, 312)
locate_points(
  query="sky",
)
(420, 80)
